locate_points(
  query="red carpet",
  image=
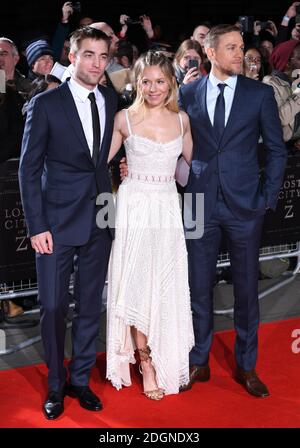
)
(219, 403)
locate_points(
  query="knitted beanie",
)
(282, 53)
(37, 49)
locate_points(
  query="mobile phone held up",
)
(297, 18)
(193, 63)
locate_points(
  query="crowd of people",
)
(89, 98)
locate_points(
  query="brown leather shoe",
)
(197, 373)
(11, 309)
(252, 383)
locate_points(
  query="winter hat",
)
(281, 54)
(37, 49)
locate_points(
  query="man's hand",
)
(123, 168)
(67, 11)
(42, 243)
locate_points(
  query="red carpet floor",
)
(219, 403)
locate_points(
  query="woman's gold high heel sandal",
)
(156, 394)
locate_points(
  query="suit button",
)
(93, 198)
(220, 150)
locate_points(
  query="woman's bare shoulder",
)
(185, 117)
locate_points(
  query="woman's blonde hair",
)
(149, 59)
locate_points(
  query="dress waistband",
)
(151, 178)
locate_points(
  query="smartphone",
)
(193, 63)
(297, 18)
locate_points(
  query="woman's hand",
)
(191, 75)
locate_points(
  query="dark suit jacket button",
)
(220, 150)
(93, 198)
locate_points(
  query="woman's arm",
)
(187, 150)
(117, 137)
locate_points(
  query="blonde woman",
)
(148, 293)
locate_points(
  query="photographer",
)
(143, 20)
(283, 30)
(64, 28)
(187, 62)
(285, 60)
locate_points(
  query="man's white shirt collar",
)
(81, 92)
(230, 81)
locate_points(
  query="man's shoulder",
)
(108, 92)
(51, 94)
(254, 85)
(192, 86)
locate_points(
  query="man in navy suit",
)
(228, 113)
(63, 168)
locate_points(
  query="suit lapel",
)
(70, 109)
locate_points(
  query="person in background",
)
(9, 58)
(189, 50)
(254, 64)
(39, 56)
(70, 19)
(285, 61)
(200, 32)
(40, 85)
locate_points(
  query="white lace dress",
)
(148, 273)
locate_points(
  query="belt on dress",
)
(151, 178)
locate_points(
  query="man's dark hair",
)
(86, 32)
(212, 38)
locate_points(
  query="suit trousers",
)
(53, 272)
(243, 241)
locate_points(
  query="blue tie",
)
(219, 116)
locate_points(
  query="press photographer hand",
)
(123, 19)
(147, 25)
(67, 11)
(291, 12)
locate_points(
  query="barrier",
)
(281, 236)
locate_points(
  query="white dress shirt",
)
(213, 92)
(83, 105)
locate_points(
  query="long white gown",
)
(148, 272)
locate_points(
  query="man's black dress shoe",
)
(251, 383)
(87, 398)
(54, 405)
(197, 373)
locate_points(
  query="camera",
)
(246, 23)
(76, 7)
(130, 21)
(264, 25)
(193, 63)
(297, 18)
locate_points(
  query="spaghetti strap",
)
(181, 123)
(128, 122)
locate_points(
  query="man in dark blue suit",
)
(228, 114)
(63, 168)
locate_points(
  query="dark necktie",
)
(96, 127)
(219, 116)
